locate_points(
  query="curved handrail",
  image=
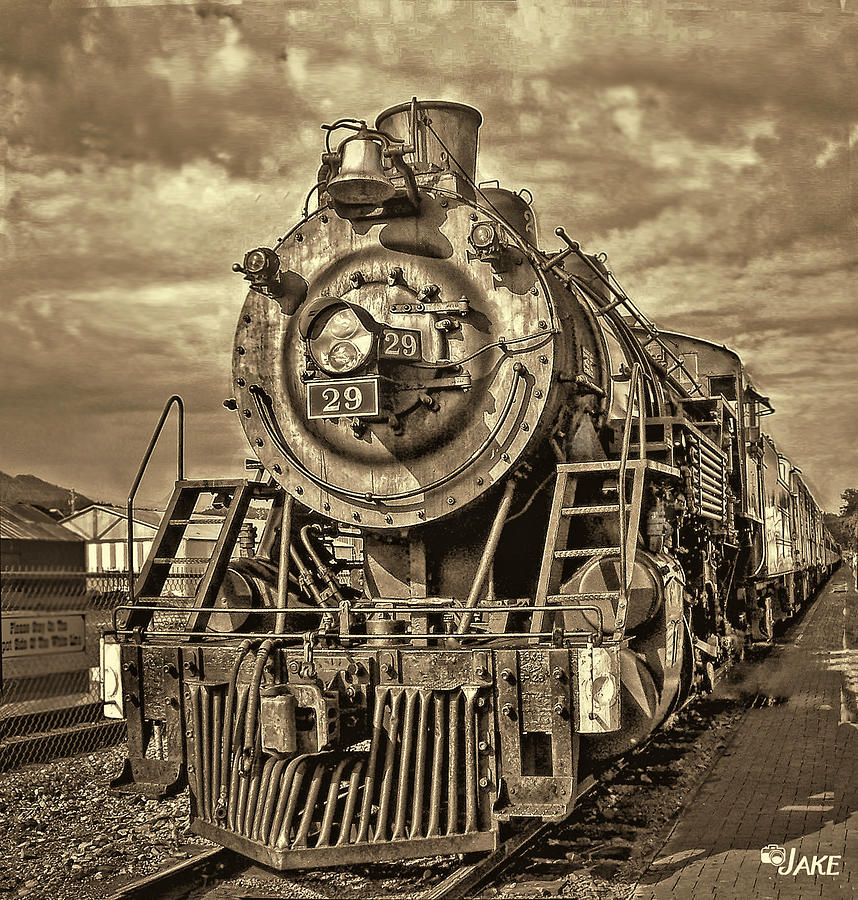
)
(180, 474)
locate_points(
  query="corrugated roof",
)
(143, 516)
(20, 521)
(203, 527)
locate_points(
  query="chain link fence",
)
(51, 622)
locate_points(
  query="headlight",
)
(261, 262)
(343, 356)
(343, 324)
(483, 236)
(339, 342)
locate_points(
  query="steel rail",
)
(182, 878)
(466, 879)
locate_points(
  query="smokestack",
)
(445, 135)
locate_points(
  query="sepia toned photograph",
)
(429, 449)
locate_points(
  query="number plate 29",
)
(400, 343)
(343, 397)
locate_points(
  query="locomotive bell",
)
(361, 180)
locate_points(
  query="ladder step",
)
(190, 560)
(650, 445)
(590, 510)
(571, 598)
(602, 465)
(586, 551)
(193, 522)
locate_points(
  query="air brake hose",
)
(305, 578)
(248, 753)
(322, 570)
(243, 650)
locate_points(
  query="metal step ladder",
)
(590, 480)
(590, 477)
(149, 587)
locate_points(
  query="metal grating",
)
(418, 781)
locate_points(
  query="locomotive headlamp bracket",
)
(455, 308)
(261, 267)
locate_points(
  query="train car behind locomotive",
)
(555, 519)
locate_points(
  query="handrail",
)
(180, 474)
(673, 361)
(635, 392)
(498, 607)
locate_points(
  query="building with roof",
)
(104, 529)
(31, 539)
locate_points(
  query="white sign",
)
(34, 634)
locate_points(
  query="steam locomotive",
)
(509, 524)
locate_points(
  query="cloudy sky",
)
(705, 146)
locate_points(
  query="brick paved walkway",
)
(789, 776)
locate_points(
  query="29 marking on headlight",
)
(353, 397)
(400, 343)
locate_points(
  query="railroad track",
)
(190, 876)
(182, 878)
(465, 880)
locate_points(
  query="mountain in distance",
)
(37, 492)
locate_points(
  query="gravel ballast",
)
(65, 836)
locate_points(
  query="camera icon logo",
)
(773, 854)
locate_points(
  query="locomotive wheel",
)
(252, 583)
(649, 692)
(709, 676)
(603, 575)
(236, 591)
(686, 675)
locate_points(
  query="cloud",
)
(150, 145)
